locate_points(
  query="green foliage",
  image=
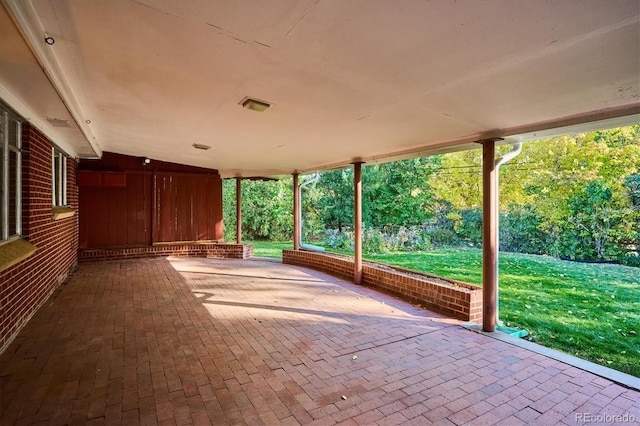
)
(336, 198)
(267, 209)
(582, 196)
(339, 240)
(521, 231)
(397, 193)
(405, 238)
(458, 182)
(590, 220)
(632, 183)
(229, 209)
(373, 241)
(576, 196)
(312, 215)
(631, 260)
(469, 227)
(381, 240)
(443, 237)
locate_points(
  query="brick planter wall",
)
(338, 266)
(226, 251)
(455, 298)
(25, 286)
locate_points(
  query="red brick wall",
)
(24, 287)
(226, 251)
(457, 299)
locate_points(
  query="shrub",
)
(469, 228)
(443, 237)
(521, 231)
(380, 240)
(631, 260)
(373, 241)
(338, 240)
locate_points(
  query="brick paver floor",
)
(204, 341)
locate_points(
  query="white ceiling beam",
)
(26, 113)
(26, 20)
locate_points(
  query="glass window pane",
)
(10, 174)
(3, 184)
(3, 187)
(63, 182)
(59, 178)
(14, 133)
(13, 193)
(56, 180)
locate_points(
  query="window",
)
(10, 175)
(59, 178)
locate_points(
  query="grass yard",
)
(269, 248)
(588, 310)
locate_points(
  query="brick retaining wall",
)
(227, 251)
(455, 298)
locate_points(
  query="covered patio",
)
(209, 341)
(120, 119)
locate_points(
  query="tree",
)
(565, 191)
(591, 219)
(547, 184)
(458, 181)
(632, 183)
(398, 193)
(267, 209)
(336, 199)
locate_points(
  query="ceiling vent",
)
(200, 146)
(254, 104)
(59, 122)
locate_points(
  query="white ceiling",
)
(349, 79)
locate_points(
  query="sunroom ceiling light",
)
(254, 104)
(200, 146)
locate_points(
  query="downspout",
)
(516, 150)
(314, 178)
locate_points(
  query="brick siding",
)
(25, 286)
(455, 298)
(217, 250)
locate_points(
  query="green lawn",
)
(269, 248)
(588, 310)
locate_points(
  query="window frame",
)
(8, 119)
(58, 177)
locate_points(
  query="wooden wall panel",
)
(187, 207)
(137, 205)
(139, 210)
(116, 217)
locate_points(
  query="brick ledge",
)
(215, 250)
